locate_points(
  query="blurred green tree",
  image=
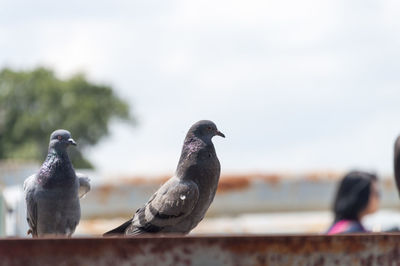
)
(35, 103)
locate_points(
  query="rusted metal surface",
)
(378, 249)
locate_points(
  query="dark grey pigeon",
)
(397, 163)
(52, 195)
(181, 203)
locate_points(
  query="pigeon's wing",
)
(84, 184)
(31, 204)
(172, 202)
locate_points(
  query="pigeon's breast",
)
(58, 211)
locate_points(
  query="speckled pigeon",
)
(52, 195)
(181, 203)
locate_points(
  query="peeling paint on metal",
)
(373, 249)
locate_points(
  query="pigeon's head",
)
(205, 129)
(61, 139)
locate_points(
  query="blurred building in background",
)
(246, 203)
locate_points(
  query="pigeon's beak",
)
(71, 141)
(219, 133)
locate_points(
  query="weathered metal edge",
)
(355, 249)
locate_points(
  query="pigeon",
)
(397, 163)
(52, 195)
(181, 202)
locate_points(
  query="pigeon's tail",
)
(120, 230)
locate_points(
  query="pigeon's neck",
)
(56, 168)
(55, 158)
(191, 149)
(61, 154)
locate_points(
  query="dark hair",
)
(353, 195)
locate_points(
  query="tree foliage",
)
(35, 103)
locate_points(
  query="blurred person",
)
(357, 196)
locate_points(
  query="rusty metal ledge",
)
(373, 249)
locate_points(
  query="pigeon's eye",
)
(209, 128)
(59, 137)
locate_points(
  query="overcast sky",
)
(294, 85)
